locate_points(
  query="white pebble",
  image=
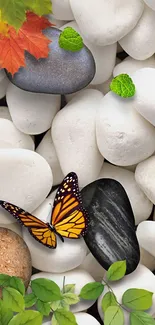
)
(26, 178)
(4, 113)
(84, 318)
(130, 65)
(144, 99)
(145, 235)
(147, 259)
(123, 136)
(139, 43)
(78, 277)
(4, 82)
(144, 177)
(104, 56)
(91, 265)
(141, 278)
(73, 133)
(106, 22)
(141, 206)
(11, 137)
(150, 4)
(58, 23)
(31, 113)
(62, 10)
(47, 150)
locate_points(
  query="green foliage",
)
(5, 313)
(70, 298)
(45, 290)
(141, 318)
(114, 316)
(116, 271)
(27, 317)
(39, 7)
(30, 300)
(137, 299)
(91, 291)
(13, 299)
(43, 307)
(123, 86)
(70, 40)
(108, 300)
(69, 288)
(64, 317)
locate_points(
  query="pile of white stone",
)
(94, 125)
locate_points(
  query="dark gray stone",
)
(63, 72)
(111, 233)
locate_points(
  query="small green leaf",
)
(30, 300)
(39, 7)
(70, 40)
(123, 86)
(137, 299)
(141, 318)
(108, 300)
(69, 288)
(4, 280)
(27, 317)
(45, 290)
(54, 321)
(70, 298)
(13, 299)
(116, 271)
(43, 307)
(64, 305)
(5, 314)
(17, 284)
(114, 316)
(64, 317)
(91, 291)
(55, 305)
(14, 12)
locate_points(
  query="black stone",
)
(63, 72)
(111, 233)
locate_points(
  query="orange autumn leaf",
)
(29, 38)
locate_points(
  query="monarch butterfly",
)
(68, 218)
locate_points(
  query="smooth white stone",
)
(104, 56)
(106, 22)
(91, 265)
(4, 113)
(62, 10)
(73, 133)
(119, 48)
(141, 206)
(65, 257)
(78, 277)
(130, 65)
(147, 259)
(47, 150)
(145, 236)
(4, 82)
(31, 113)
(26, 178)
(139, 43)
(144, 99)
(144, 177)
(132, 168)
(124, 138)
(11, 137)
(141, 278)
(58, 23)
(150, 3)
(84, 318)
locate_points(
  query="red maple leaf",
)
(29, 38)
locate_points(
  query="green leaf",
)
(123, 86)
(137, 299)
(55, 305)
(13, 299)
(114, 316)
(54, 321)
(45, 290)
(17, 284)
(91, 291)
(70, 40)
(116, 271)
(64, 305)
(70, 298)
(141, 318)
(27, 317)
(30, 300)
(43, 307)
(4, 280)
(14, 12)
(5, 314)
(108, 300)
(64, 317)
(69, 288)
(39, 7)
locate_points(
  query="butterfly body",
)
(68, 218)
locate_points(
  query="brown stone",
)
(15, 258)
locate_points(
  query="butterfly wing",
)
(37, 228)
(68, 216)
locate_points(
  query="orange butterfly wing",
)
(68, 216)
(37, 228)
